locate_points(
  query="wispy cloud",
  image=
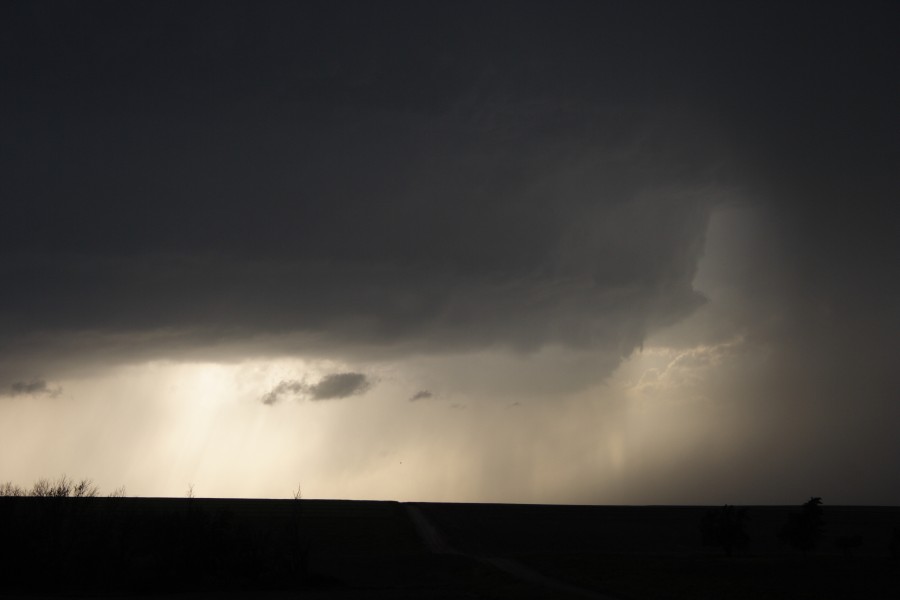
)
(284, 388)
(684, 372)
(35, 387)
(421, 395)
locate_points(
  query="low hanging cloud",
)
(340, 385)
(330, 387)
(421, 395)
(35, 387)
(284, 388)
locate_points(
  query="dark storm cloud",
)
(372, 187)
(421, 395)
(412, 176)
(35, 387)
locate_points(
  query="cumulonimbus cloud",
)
(514, 212)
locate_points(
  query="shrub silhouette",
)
(119, 492)
(803, 529)
(724, 528)
(64, 488)
(8, 488)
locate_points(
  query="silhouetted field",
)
(152, 546)
(656, 552)
(356, 549)
(505, 529)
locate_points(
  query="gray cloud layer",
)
(545, 180)
(447, 201)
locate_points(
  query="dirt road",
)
(435, 542)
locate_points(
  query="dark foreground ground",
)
(199, 548)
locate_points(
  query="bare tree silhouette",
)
(803, 529)
(64, 488)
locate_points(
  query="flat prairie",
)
(224, 548)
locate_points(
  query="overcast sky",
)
(566, 252)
